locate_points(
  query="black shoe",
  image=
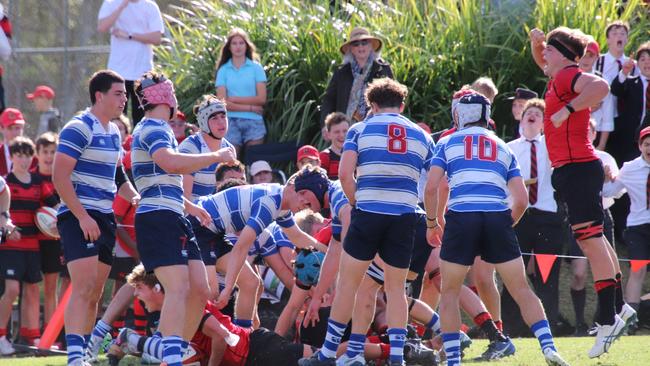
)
(582, 330)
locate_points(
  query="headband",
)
(563, 49)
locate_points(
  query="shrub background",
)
(433, 46)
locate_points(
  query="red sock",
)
(499, 325)
(482, 318)
(3, 332)
(385, 351)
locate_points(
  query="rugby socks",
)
(485, 322)
(244, 323)
(152, 346)
(99, 332)
(355, 345)
(451, 344)
(578, 298)
(184, 346)
(332, 340)
(434, 323)
(86, 340)
(30, 335)
(606, 298)
(542, 331)
(172, 353)
(619, 292)
(75, 347)
(499, 325)
(397, 337)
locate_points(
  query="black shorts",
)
(75, 246)
(608, 231)
(51, 256)
(121, 267)
(638, 241)
(21, 265)
(580, 186)
(212, 245)
(390, 236)
(486, 234)
(165, 238)
(268, 348)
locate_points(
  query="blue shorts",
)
(75, 246)
(390, 236)
(486, 234)
(20, 265)
(242, 130)
(213, 246)
(165, 238)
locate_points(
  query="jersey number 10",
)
(397, 139)
(483, 150)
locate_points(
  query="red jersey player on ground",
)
(578, 174)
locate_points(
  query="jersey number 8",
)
(397, 139)
(483, 142)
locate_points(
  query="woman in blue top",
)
(241, 82)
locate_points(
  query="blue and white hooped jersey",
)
(478, 165)
(205, 182)
(337, 199)
(97, 151)
(158, 189)
(256, 205)
(392, 151)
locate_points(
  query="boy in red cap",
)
(578, 174)
(43, 99)
(12, 124)
(307, 154)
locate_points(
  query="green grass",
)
(631, 350)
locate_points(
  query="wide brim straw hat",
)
(359, 34)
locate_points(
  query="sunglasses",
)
(147, 81)
(363, 42)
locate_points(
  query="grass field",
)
(628, 351)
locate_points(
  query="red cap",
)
(593, 47)
(425, 127)
(43, 91)
(308, 151)
(10, 117)
(180, 115)
(644, 133)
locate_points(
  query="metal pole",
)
(66, 56)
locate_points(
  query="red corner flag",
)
(545, 263)
(637, 264)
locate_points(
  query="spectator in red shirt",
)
(12, 124)
(20, 259)
(337, 125)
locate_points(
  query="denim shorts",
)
(242, 130)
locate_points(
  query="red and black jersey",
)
(233, 356)
(26, 198)
(329, 160)
(570, 142)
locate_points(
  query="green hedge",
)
(434, 47)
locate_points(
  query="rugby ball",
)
(46, 221)
(194, 357)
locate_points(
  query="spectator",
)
(336, 125)
(5, 50)
(608, 66)
(260, 172)
(135, 26)
(361, 65)
(241, 82)
(234, 170)
(307, 154)
(43, 99)
(181, 128)
(485, 85)
(124, 125)
(633, 92)
(522, 95)
(12, 124)
(20, 261)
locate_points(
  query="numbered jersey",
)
(391, 154)
(479, 166)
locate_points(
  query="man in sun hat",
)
(361, 65)
(50, 118)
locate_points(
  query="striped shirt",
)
(479, 166)
(158, 189)
(256, 205)
(97, 151)
(268, 241)
(392, 151)
(205, 182)
(337, 201)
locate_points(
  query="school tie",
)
(532, 189)
(647, 98)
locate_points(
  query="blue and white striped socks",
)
(397, 337)
(153, 346)
(355, 345)
(434, 323)
(332, 340)
(542, 331)
(172, 350)
(75, 345)
(451, 344)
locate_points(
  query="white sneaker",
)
(357, 360)
(92, 352)
(605, 336)
(553, 358)
(628, 314)
(6, 348)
